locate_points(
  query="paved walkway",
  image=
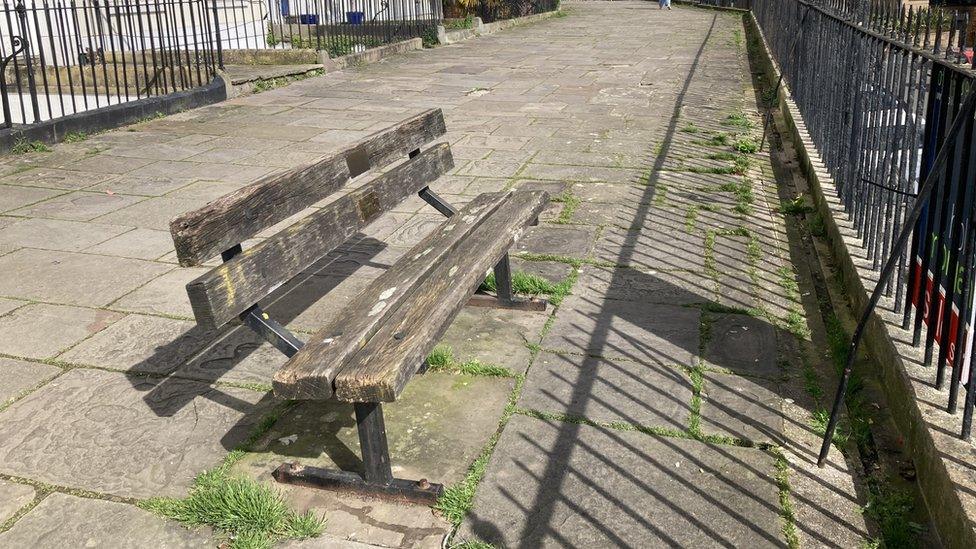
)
(662, 402)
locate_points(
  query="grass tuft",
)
(524, 283)
(75, 137)
(250, 514)
(746, 145)
(442, 359)
(23, 146)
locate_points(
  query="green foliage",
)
(465, 23)
(892, 510)
(690, 127)
(721, 139)
(442, 359)
(796, 206)
(738, 120)
(429, 38)
(75, 137)
(570, 203)
(23, 146)
(250, 514)
(746, 145)
(529, 284)
(442, 355)
(742, 190)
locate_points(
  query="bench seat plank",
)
(309, 374)
(229, 289)
(237, 216)
(386, 362)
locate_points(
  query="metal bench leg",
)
(377, 480)
(504, 298)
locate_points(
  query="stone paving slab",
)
(56, 234)
(137, 437)
(743, 345)
(13, 497)
(18, 329)
(140, 344)
(57, 276)
(608, 390)
(18, 376)
(495, 336)
(557, 240)
(555, 484)
(62, 520)
(79, 206)
(656, 334)
(742, 407)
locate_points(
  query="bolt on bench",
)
(369, 351)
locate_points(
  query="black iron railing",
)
(494, 10)
(61, 57)
(884, 92)
(339, 27)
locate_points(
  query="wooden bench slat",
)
(309, 374)
(229, 289)
(235, 217)
(380, 370)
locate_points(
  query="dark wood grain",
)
(228, 290)
(309, 374)
(379, 371)
(237, 216)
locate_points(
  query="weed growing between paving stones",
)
(250, 514)
(75, 137)
(690, 127)
(570, 203)
(23, 146)
(442, 359)
(457, 499)
(529, 284)
(785, 503)
(739, 120)
(615, 425)
(797, 206)
(746, 145)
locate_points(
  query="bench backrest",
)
(231, 288)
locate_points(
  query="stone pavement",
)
(662, 402)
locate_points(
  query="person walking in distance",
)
(665, 4)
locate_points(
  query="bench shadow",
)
(228, 348)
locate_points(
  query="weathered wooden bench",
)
(369, 350)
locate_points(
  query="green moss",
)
(746, 145)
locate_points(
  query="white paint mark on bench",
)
(377, 309)
(387, 293)
(452, 271)
(423, 253)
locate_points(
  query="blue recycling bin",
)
(308, 19)
(355, 17)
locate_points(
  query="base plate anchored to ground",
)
(518, 304)
(413, 491)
